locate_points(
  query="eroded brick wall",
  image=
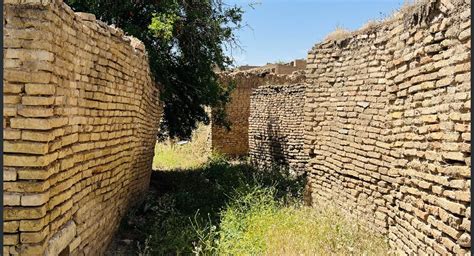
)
(80, 119)
(346, 128)
(234, 142)
(276, 126)
(430, 119)
(387, 126)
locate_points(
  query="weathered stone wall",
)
(80, 119)
(387, 126)
(276, 126)
(235, 141)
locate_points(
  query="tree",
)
(185, 41)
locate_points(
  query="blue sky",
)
(283, 30)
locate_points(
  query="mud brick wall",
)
(387, 126)
(430, 120)
(234, 142)
(80, 119)
(346, 129)
(276, 133)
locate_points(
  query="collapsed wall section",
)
(80, 118)
(234, 142)
(387, 126)
(276, 127)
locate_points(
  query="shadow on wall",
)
(277, 143)
(271, 144)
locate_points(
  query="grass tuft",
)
(338, 34)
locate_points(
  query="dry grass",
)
(408, 6)
(307, 231)
(338, 34)
(370, 25)
(169, 155)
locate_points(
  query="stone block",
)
(37, 101)
(11, 199)
(34, 199)
(40, 89)
(20, 213)
(35, 112)
(25, 147)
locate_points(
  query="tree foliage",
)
(185, 41)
